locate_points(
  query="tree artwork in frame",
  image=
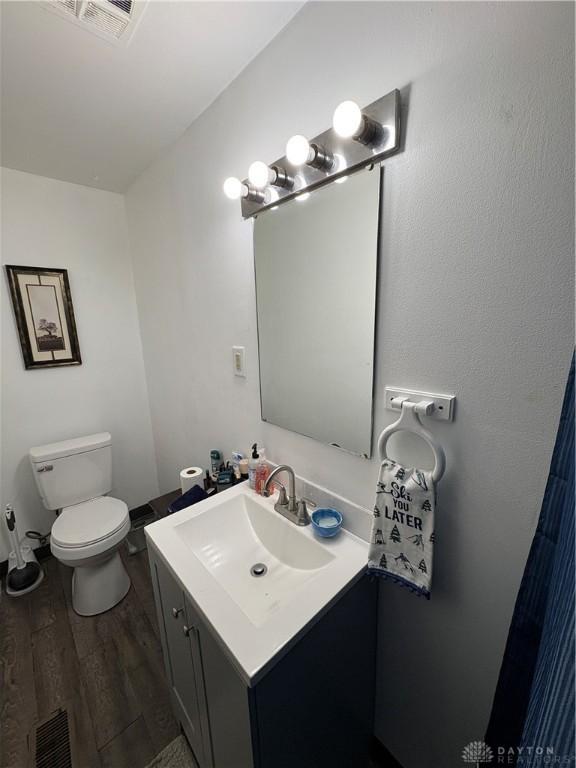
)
(44, 316)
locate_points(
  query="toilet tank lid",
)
(69, 447)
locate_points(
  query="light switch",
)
(238, 361)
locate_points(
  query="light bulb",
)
(299, 151)
(347, 119)
(233, 188)
(259, 174)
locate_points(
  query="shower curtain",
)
(533, 711)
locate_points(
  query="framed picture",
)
(44, 315)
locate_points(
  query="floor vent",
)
(51, 748)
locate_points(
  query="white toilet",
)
(74, 476)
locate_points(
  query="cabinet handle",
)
(176, 612)
(188, 630)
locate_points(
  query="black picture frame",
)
(51, 341)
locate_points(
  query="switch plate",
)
(239, 361)
(443, 404)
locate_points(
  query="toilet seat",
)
(89, 523)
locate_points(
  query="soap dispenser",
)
(253, 467)
(262, 472)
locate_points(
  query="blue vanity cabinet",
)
(310, 707)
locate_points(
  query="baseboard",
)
(381, 757)
(143, 511)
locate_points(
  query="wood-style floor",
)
(106, 670)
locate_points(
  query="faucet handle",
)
(303, 518)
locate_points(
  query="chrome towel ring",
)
(410, 422)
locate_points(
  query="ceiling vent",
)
(113, 20)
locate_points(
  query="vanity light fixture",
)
(310, 163)
(260, 175)
(349, 122)
(235, 189)
(299, 151)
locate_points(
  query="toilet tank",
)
(73, 471)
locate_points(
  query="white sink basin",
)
(241, 532)
(211, 547)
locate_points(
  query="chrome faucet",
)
(290, 508)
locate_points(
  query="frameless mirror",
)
(316, 267)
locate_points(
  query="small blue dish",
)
(326, 522)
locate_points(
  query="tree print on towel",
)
(422, 566)
(383, 562)
(378, 537)
(395, 535)
(426, 507)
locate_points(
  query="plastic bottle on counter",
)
(262, 472)
(237, 457)
(253, 466)
(215, 459)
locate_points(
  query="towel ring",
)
(410, 422)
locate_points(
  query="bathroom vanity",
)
(268, 635)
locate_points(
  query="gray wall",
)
(476, 290)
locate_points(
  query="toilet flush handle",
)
(45, 468)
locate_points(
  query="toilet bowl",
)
(87, 537)
(74, 476)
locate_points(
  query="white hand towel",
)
(402, 539)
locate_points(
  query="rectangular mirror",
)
(316, 268)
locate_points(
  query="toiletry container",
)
(262, 472)
(253, 466)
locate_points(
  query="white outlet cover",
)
(239, 361)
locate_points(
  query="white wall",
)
(475, 296)
(51, 223)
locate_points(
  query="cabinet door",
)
(194, 622)
(229, 701)
(185, 673)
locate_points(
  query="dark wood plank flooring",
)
(106, 670)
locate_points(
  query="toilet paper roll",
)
(190, 477)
